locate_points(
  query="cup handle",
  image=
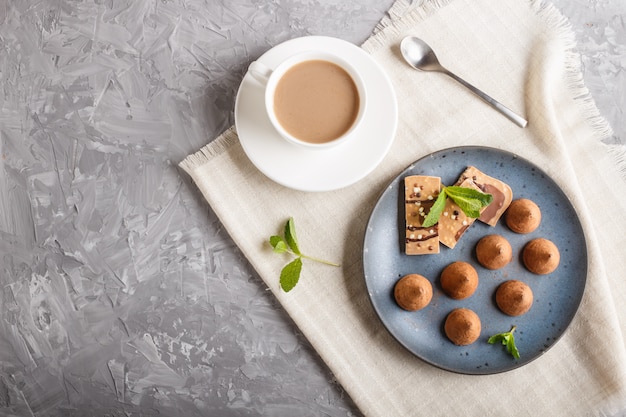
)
(260, 72)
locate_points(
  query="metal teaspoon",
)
(420, 56)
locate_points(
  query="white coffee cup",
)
(271, 78)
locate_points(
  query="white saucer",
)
(318, 170)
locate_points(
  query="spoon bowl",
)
(419, 55)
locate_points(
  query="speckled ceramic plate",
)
(556, 296)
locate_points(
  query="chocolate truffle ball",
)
(523, 216)
(541, 256)
(459, 280)
(494, 252)
(514, 297)
(413, 292)
(462, 326)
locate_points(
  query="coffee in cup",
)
(314, 99)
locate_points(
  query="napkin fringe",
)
(573, 66)
(618, 152)
(209, 151)
(574, 78)
(412, 11)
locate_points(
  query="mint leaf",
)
(471, 201)
(435, 211)
(496, 338)
(290, 274)
(511, 348)
(290, 236)
(470, 208)
(454, 191)
(508, 340)
(278, 244)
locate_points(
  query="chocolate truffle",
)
(541, 256)
(459, 280)
(494, 252)
(523, 216)
(413, 292)
(462, 326)
(514, 297)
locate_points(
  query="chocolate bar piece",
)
(501, 192)
(420, 193)
(453, 222)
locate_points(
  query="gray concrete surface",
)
(120, 292)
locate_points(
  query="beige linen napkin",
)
(521, 52)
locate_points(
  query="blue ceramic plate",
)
(556, 296)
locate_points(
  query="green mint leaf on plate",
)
(290, 274)
(454, 192)
(471, 201)
(496, 338)
(290, 236)
(508, 340)
(435, 211)
(511, 348)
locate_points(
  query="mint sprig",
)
(508, 340)
(469, 200)
(290, 274)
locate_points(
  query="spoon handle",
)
(518, 120)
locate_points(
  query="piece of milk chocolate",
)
(501, 192)
(420, 193)
(453, 222)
